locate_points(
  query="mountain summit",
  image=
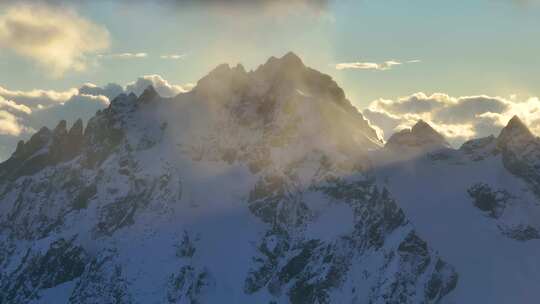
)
(515, 133)
(420, 138)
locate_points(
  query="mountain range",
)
(266, 186)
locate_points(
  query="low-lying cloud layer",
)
(457, 118)
(58, 40)
(24, 112)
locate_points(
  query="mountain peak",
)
(421, 136)
(148, 94)
(292, 58)
(516, 123)
(421, 125)
(515, 132)
(289, 62)
(61, 128)
(425, 130)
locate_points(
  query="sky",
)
(464, 66)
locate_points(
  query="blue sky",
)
(388, 50)
(465, 47)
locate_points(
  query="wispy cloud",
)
(37, 98)
(124, 55)
(173, 56)
(383, 66)
(59, 40)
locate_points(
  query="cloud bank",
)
(457, 118)
(58, 40)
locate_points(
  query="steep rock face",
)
(521, 152)
(246, 189)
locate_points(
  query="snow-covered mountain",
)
(479, 206)
(265, 186)
(254, 187)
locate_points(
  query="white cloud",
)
(123, 56)
(367, 65)
(9, 124)
(173, 56)
(458, 118)
(38, 98)
(387, 65)
(162, 86)
(58, 39)
(10, 106)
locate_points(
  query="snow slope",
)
(254, 187)
(479, 212)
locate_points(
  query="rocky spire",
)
(76, 130)
(74, 140)
(515, 133)
(61, 129)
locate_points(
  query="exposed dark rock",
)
(61, 263)
(491, 201)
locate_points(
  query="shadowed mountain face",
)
(255, 187)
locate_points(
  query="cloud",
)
(173, 56)
(12, 106)
(162, 86)
(110, 90)
(56, 38)
(123, 56)
(458, 118)
(387, 65)
(38, 98)
(9, 124)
